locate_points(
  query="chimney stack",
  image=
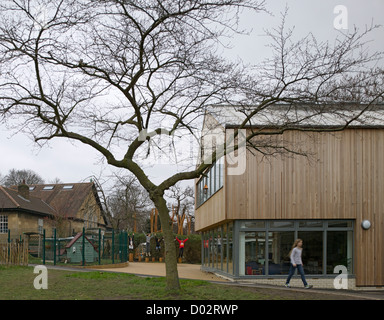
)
(23, 190)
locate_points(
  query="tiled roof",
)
(11, 199)
(50, 199)
(63, 200)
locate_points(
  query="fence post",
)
(99, 246)
(125, 246)
(54, 247)
(121, 246)
(103, 245)
(83, 253)
(44, 246)
(113, 246)
(9, 245)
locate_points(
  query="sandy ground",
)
(186, 271)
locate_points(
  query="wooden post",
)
(151, 217)
(134, 223)
(156, 214)
(189, 223)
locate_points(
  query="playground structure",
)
(176, 219)
(179, 220)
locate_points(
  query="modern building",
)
(329, 194)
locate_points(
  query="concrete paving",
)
(186, 271)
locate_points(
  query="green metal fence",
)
(89, 247)
(100, 247)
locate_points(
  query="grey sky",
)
(73, 162)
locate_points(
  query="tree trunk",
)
(172, 275)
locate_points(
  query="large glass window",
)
(252, 253)
(213, 179)
(217, 175)
(312, 254)
(230, 248)
(257, 224)
(215, 248)
(219, 247)
(206, 248)
(279, 246)
(263, 246)
(224, 248)
(221, 172)
(281, 224)
(339, 250)
(211, 248)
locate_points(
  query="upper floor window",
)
(210, 182)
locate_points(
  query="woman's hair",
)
(294, 246)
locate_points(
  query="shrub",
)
(192, 249)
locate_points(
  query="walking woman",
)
(295, 255)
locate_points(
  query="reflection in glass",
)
(339, 250)
(279, 246)
(252, 253)
(281, 224)
(312, 255)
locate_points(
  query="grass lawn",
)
(16, 283)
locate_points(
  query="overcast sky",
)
(74, 162)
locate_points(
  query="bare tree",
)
(129, 203)
(56, 180)
(118, 74)
(2, 179)
(16, 177)
(183, 203)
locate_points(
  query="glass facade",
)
(217, 248)
(252, 251)
(248, 248)
(279, 245)
(213, 179)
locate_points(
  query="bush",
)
(192, 249)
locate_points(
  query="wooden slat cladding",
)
(342, 177)
(211, 212)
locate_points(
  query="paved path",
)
(186, 271)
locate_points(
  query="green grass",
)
(16, 283)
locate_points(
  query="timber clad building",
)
(250, 220)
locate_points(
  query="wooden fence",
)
(15, 253)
